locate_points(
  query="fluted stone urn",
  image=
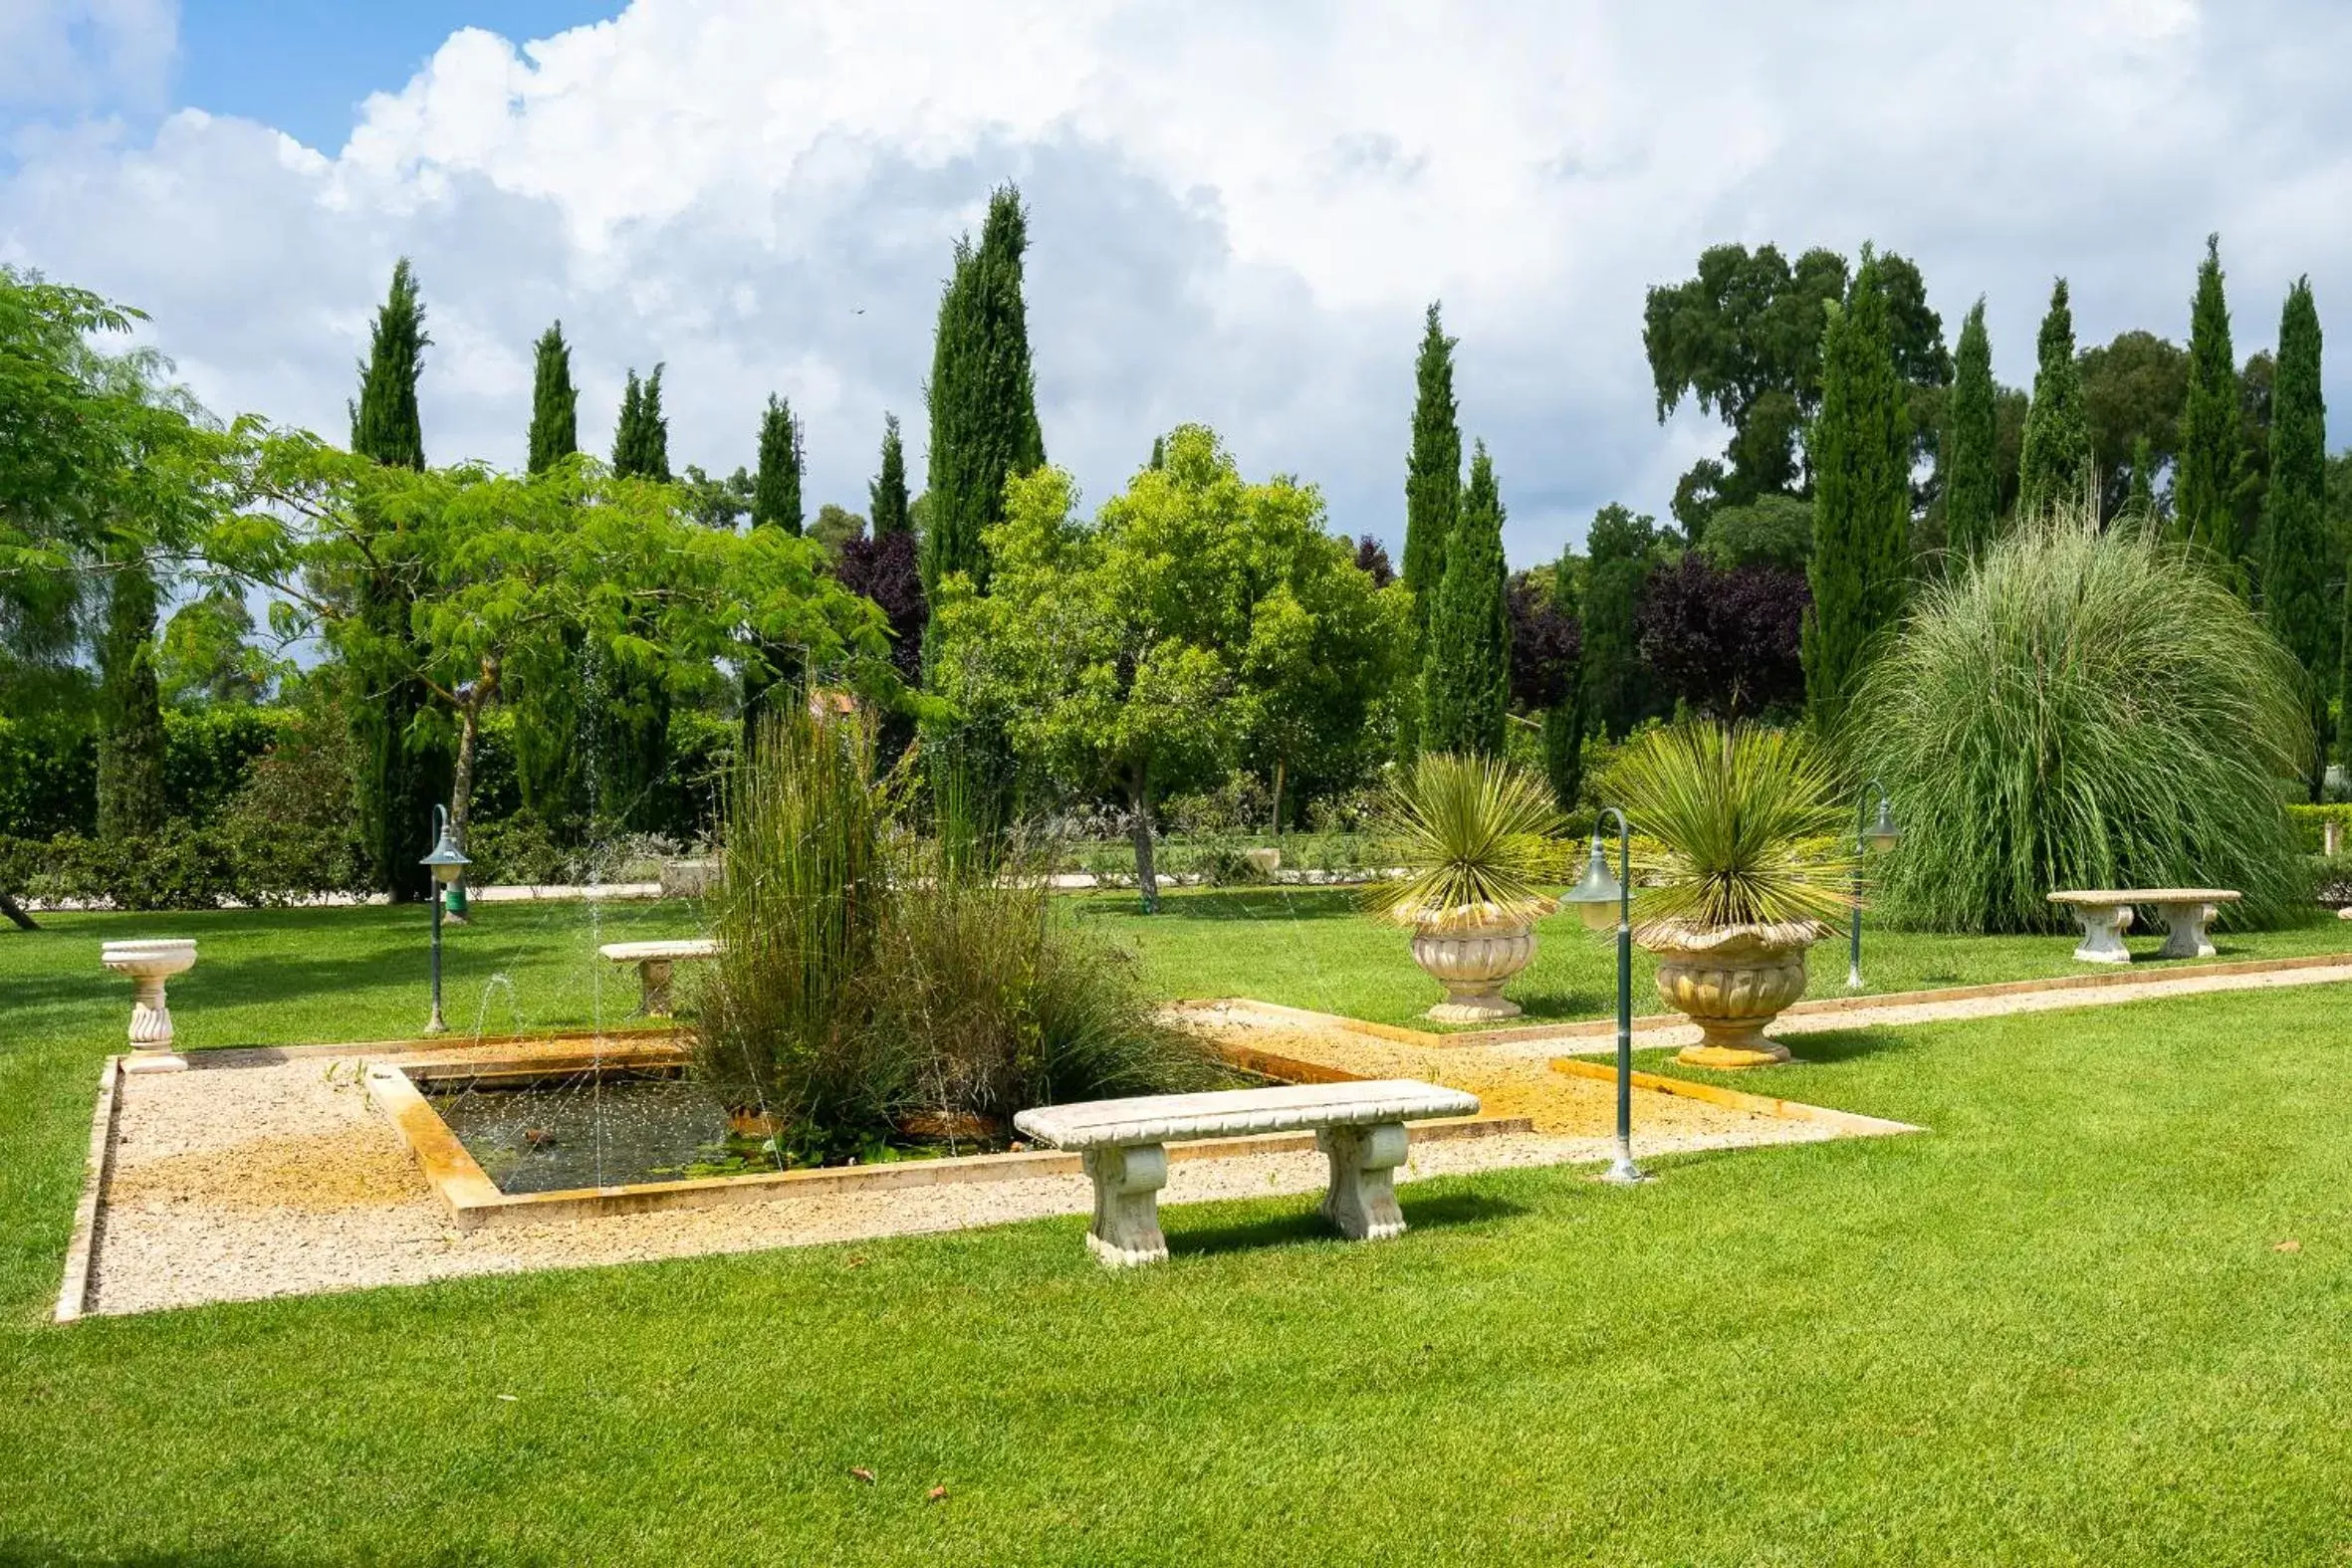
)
(1730, 980)
(149, 964)
(1470, 952)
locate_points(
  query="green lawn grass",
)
(2055, 1328)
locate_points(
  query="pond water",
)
(595, 1129)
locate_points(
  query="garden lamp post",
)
(447, 862)
(1593, 898)
(1870, 838)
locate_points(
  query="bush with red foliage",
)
(1544, 648)
(1726, 642)
(888, 571)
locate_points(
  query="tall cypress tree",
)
(1972, 444)
(1466, 666)
(131, 714)
(2056, 464)
(982, 394)
(1433, 492)
(1159, 454)
(1860, 456)
(633, 750)
(885, 498)
(554, 402)
(548, 770)
(401, 776)
(1563, 720)
(2297, 564)
(2203, 510)
(2140, 503)
(776, 492)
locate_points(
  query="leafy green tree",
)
(555, 401)
(983, 395)
(2056, 464)
(1971, 458)
(1620, 550)
(886, 496)
(130, 716)
(834, 527)
(2132, 391)
(2139, 500)
(776, 492)
(1197, 618)
(2298, 567)
(2203, 507)
(1860, 454)
(1563, 721)
(1466, 660)
(2257, 383)
(1771, 530)
(403, 770)
(206, 655)
(718, 503)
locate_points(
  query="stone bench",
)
(2106, 913)
(1361, 1127)
(653, 961)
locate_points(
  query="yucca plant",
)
(1477, 837)
(2081, 709)
(1735, 825)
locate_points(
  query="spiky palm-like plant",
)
(1477, 836)
(1735, 826)
(2082, 709)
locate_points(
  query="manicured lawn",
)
(2057, 1328)
(1314, 948)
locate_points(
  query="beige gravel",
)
(238, 1182)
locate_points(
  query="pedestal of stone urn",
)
(149, 964)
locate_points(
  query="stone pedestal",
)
(2184, 924)
(1128, 1182)
(2103, 926)
(1362, 1201)
(1472, 964)
(149, 964)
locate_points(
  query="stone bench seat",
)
(1360, 1128)
(653, 961)
(2105, 914)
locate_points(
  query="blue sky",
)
(1238, 211)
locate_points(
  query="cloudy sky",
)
(1239, 209)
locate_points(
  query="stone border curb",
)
(72, 1296)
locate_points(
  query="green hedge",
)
(2308, 820)
(49, 765)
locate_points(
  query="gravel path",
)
(235, 1181)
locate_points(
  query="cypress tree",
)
(130, 713)
(1159, 454)
(1972, 444)
(982, 396)
(2202, 512)
(776, 492)
(547, 770)
(1466, 669)
(402, 777)
(2296, 564)
(1563, 720)
(633, 750)
(2055, 465)
(554, 402)
(2141, 501)
(1859, 454)
(887, 503)
(1433, 492)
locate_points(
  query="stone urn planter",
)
(1730, 980)
(1471, 953)
(149, 964)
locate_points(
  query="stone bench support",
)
(655, 960)
(1360, 1128)
(2105, 914)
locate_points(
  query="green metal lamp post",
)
(447, 862)
(1872, 838)
(1593, 898)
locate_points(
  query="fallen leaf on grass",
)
(856, 1262)
(510, 1398)
(937, 1495)
(862, 1474)
(2290, 1245)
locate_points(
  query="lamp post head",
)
(1599, 895)
(1882, 834)
(446, 860)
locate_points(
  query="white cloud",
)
(75, 54)
(1238, 211)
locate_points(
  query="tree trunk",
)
(16, 913)
(1140, 803)
(475, 698)
(1277, 802)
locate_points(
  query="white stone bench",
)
(653, 961)
(1361, 1127)
(2106, 913)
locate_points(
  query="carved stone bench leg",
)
(1363, 1198)
(1128, 1182)
(2103, 926)
(653, 985)
(2186, 923)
